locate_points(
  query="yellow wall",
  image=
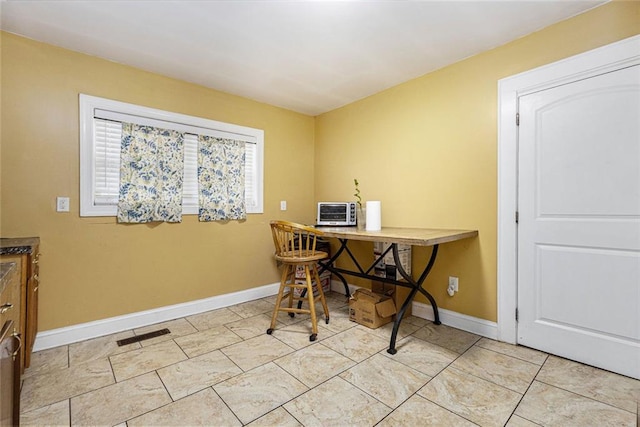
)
(93, 268)
(428, 149)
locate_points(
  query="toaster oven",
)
(336, 214)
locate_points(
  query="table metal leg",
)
(396, 323)
(418, 283)
(415, 287)
(423, 276)
(327, 266)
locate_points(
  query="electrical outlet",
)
(62, 204)
(283, 205)
(453, 283)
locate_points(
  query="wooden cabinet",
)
(33, 286)
(10, 344)
(9, 376)
(10, 294)
(25, 253)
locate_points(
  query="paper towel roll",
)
(374, 220)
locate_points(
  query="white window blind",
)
(101, 134)
(107, 137)
(250, 177)
(190, 183)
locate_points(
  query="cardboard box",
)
(325, 281)
(383, 288)
(300, 272)
(371, 309)
(398, 293)
(387, 268)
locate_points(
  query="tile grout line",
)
(525, 393)
(293, 376)
(334, 375)
(410, 367)
(441, 371)
(432, 378)
(225, 404)
(585, 397)
(188, 358)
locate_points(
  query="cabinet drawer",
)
(10, 296)
(25, 252)
(31, 319)
(9, 376)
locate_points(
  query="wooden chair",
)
(296, 246)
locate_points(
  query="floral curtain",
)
(151, 174)
(221, 179)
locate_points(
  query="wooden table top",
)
(408, 236)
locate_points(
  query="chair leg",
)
(312, 304)
(292, 272)
(276, 309)
(288, 275)
(321, 294)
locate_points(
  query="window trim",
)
(90, 105)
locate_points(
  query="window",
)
(100, 133)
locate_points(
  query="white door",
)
(579, 221)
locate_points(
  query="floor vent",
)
(143, 337)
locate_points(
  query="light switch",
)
(283, 205)
(62, 204)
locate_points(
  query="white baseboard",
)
(454, 319)
(337, 286)
(84, 331)
(457, 320)
(70, 334)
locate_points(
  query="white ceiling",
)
(307, 56)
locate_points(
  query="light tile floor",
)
(220, 368)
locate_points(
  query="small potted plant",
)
(360, 209)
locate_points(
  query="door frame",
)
(605, 59)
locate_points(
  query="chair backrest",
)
(295, 241)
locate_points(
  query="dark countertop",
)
(18, 245)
